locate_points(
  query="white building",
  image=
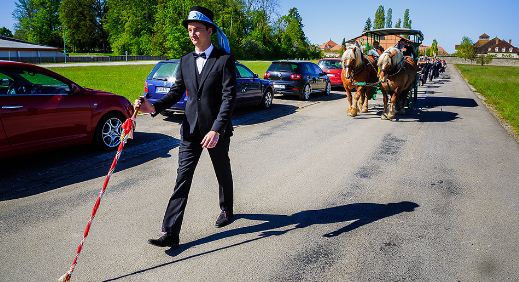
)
(17, 50)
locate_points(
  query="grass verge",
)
(500, 87)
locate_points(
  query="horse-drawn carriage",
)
(393, 73)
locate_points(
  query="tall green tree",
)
(367, 25)
(130, 25)
(38, 21)
(79, 24)
(380, 18)
(6, 32)
(434, 47)
(101, 9)
(398, 23)
(407, 23)
(389, 18)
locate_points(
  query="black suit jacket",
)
(211, 95)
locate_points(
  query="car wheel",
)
(268, 97)
(328, 89)
(108, 131)
(306, 92)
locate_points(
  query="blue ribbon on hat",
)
(223, 42)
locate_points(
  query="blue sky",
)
(445, 21)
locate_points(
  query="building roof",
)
(328, 45)
(484, 36)
(8, 43)
(500, 44)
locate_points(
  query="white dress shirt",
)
(200, 62)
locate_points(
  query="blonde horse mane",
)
(392, 56)
(352, 53)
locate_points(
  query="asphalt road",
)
(319, 196)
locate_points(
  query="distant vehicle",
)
(299, 78)
(332, 67)
(250, 90)
(40, 109)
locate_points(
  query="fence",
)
(84, 59)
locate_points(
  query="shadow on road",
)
(360, 213)
(38, 173)
(314, 97)
(246, 117)
(450, 101)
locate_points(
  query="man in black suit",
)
(208, 75)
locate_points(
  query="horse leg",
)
(391, 113)
(354, 107)
(385, 99)
(350, 102)
(366, 96)
(402, 102)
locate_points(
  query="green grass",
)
(127, 81)
(500, 86)
(257, 67)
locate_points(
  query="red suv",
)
(332, 67)
(40, 109)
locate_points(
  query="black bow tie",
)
(201, 55)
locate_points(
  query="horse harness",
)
(360, 68)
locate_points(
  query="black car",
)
(250, 90)
(298, 78)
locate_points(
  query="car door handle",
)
(11, 107)
(244, 89)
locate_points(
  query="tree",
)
(398, 23)
(367, 26)
(407, 23)
(380, 19)
(294, 42)
(130, 25)
(484, 59)
(38, 21)
(466, 49)
(389, 18)
(4, 31)
(434, 47)
(79, 24)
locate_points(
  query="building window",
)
(511, 49)
(489, 49)
(504, 49)
(497, 49)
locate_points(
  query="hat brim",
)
(186, 22)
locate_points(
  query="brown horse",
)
(397, 75)
(357, 68)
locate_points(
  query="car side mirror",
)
(256, 75)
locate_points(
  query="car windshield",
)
(330, 64)
(284, 67)
(164, 71)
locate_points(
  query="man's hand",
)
(144, 105)
(210, 139)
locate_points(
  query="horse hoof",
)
(384, 117)
(364, 110)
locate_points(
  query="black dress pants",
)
(188, 156)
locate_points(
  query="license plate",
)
(279, 86)
(162, 89)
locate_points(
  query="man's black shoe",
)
(224, 218)
(166, 240)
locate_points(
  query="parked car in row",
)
(299, 78)
(40, 109)
(250, 90)
(333, 68)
